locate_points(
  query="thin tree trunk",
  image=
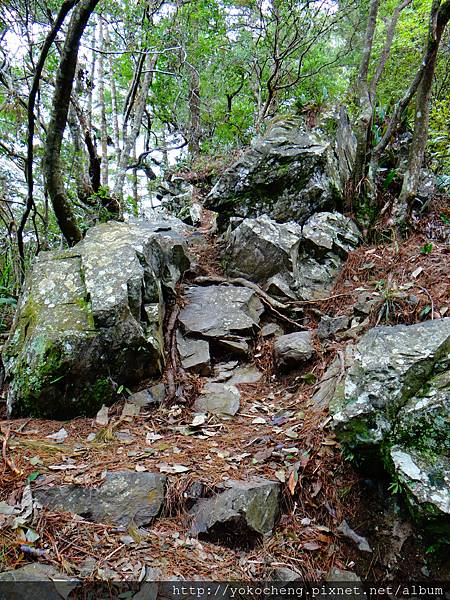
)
(130, 139)
(91, 79)
(81, 174)
(194, 111)
(363, 99)
(438, 21)
(115, 110)
(58, 119)
(66, 7)
(101, 97)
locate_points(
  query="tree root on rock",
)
(179, 388)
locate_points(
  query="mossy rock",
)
(90, 320)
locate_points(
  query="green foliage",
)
(427, 248)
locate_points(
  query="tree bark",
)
(130, 138)
(194, 110)
(66, 7)
(363, 99)
(58, 119)
(439, 18)
(101, 98)
(115, 110)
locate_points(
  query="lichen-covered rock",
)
(289, 174)
(425, 479)
(123, 499)
(244, 510)
(388, 366)
(329, 326)
(259, 248)
(391, 400)
(90, 319)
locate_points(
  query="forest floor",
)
(278, 433)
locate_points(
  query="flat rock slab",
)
(194, 354)
(124, 498)
(219, 311)
(220, 399)
(245, 374)
(244, 508)
(293, 349)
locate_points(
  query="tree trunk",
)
(364, 101)
(194, 111)
(130, 139)
(101, 98)
(112, 83)
(90, 80)
(66, 7)
(58, 119)
(439, 18)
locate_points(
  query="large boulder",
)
(259, 248)
(391, 401)
(327, 239)
(290, 260)
(289, 173)
(90, 319)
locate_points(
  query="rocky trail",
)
(239, 454)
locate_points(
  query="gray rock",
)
(364, 304)
(393, 401)
(245, 508)
(145, 398)
(329, 326)
(158, 392)
(245, 374)
(271, 329)
(23, 583)
(327, 239)
(221, 399)
(425, 478)
(326, 387)
(330, 232)
(388, 366)
(286, 574)
(235, 375)
(259, 248)
(124, 498)
(289, 174)
(236, 345)
(220, 311)
(359, 540)
(340, 576)
(280, 286)
(90, 319)
(194, 354)
(314, 279)
(293, 349)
